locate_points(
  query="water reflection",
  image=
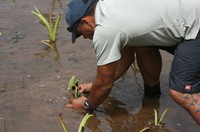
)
(48, 52)
(122, 120)
(53, 4)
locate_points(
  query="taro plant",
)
(157, 120)
(73, 86)
(49, 25)
(4, 121)
(83, 122)
(135, 71)
(62, 123)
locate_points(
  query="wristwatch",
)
(86, 105)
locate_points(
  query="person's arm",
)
(102, 85)
(127, 58)
(101, 88)
(107, 74)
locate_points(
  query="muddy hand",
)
(84, 87)
(76, 103)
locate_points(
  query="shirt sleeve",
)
(108, 44)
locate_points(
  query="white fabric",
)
(121, 23)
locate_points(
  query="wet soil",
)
(34, 78)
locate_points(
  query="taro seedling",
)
(83, 122)
(62, 123)
(4, 121)
(135, 71)
(49, 25)
(73, 86)
(157, 121)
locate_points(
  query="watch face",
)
(86, 105)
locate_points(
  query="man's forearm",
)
(98, 94)
(102, 85)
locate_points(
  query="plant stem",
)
(62, 123)
(83, 122)
(155, 117)
(53, 38)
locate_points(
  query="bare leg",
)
(149, 61)
(127, 58)
(150, 64)
(190, 102)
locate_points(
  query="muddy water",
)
(34, 78)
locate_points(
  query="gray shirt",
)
(121, 23)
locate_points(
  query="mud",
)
(34, 78)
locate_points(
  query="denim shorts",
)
(185, 69)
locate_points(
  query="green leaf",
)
(83, 122)
(72, 83)
(162, 116)
(50, 21)
(155, 117)
(43, 20)
(53, 38)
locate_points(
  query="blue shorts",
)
(185, 69)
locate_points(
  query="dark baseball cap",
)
(75, 10)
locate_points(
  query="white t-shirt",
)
(121, 23)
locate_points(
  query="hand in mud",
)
(76, 103)
(84, 88)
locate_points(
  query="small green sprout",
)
(83, 122)
(157, 121)
(4, 124)
(52, 31)
(62, 123)
(73, 86)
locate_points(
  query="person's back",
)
(147, 22)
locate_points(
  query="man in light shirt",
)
(119, 28)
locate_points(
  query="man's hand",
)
(84, 87)
(76, 103)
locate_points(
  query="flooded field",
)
(34, 79)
